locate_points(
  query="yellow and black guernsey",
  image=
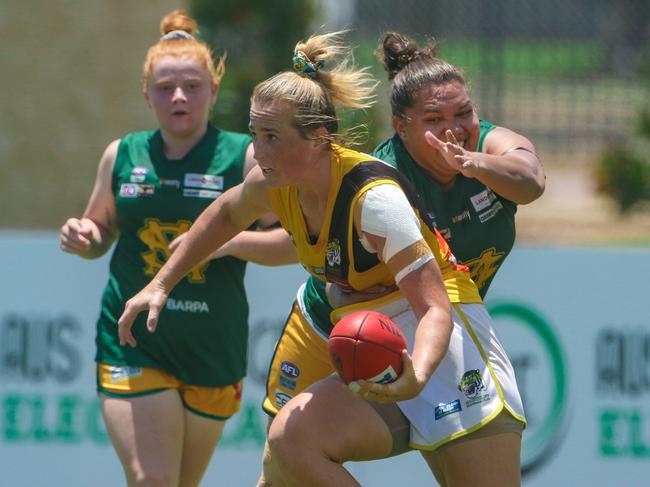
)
(336, 254)
(202, 333)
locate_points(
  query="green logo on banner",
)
(65, 419)
(542, 374)
(248, 428)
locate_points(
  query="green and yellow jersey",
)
(478, 223)
(202, 333)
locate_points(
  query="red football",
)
(367, 345)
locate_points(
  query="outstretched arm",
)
(228, 215)
(271, 247)
(508, 164)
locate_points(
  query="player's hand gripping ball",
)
(367, 345)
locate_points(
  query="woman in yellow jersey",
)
(355, 223)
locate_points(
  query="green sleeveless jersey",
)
(202, 332)
(478, 224)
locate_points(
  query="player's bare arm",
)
(390, 229)
(92, 235)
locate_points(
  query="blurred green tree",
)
(623, 175)
(258, 37)
(623, 170)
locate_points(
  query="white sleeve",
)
(387, 213)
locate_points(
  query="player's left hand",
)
(152, 297)
(407, 386)
(455, 154)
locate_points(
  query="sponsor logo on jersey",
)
(138, 174)
(187, 306)
(431, 216)
(201, 193)
(489, 214)
(482, 200)
(120, 373)
(287, 383)
(173, 183)
(443, 410)
(281, 398)
(290, 369)
(472, 385)
(132, 190)
(203, 181)
(463, 216)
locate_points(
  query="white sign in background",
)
(574, 322)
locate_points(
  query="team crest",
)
(333, 254)
(472, 385)
(157, 235)
(483, 267)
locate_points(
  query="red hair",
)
(188, 48)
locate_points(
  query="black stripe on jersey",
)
(358, 177)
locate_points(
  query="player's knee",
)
(264, 482)
(152, 477)
(287, 435)
(270, 474)
(280, 438)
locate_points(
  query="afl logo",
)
(290, 369)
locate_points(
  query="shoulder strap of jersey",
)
(337, 261)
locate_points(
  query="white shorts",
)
(470, 387)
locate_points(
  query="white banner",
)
(574, 322)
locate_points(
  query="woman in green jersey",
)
(471, 173)
(165, 403)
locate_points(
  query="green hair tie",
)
(303, 65)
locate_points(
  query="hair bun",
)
(178, 20)
(397, 51)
